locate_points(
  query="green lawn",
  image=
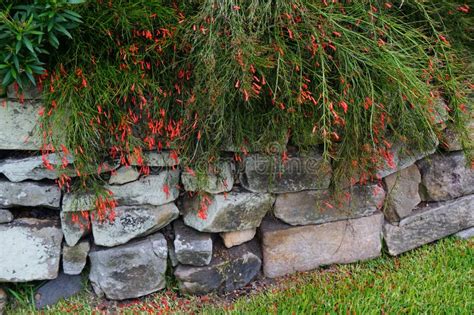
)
(435, 279)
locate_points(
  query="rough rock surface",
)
(450, 140)
(17, 126)
(429, 224)
(63, 287)
(18, 170)
(287, 249)
(29, 194)
(163, 186)
(229, 269)
(403, 195)
(30, 250)
(75, 225)
(219, 181)
(268, 174)
(159, 159)
(124, 175)
(190, 246)
(235, 238)
(403, 158)
(319, 206)
(5, 216)
(465, 234)
(75, 257)
(232, 212)
(74, 202)
(129, 271)
(446, 176)
(131, 222)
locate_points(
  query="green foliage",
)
(355, 78)
(28, 31)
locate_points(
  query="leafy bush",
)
(27, 32)
(353, 77)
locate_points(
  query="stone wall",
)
(263, 218)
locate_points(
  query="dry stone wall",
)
(263, 218)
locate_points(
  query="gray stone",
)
(172, 255)
(235, 238)
(465, 234)
(75, 225)
(234, 211)
(29, 194)
(403, 158)
(158, 159)
(18, 126)
(75, 202)
(18, 170)
(229, 269)
(269, 174)
(153, 190)
(403, 195)
(446, 176)
(287, 249)
(30, 250)
(124, 175)
(75, 257)
(129, 271)
(429, 224)
(63, 287)
(216, 181)
(450, 140)
(190, 246)
(321, 206)
(5, 216)
(131, 222)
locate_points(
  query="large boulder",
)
(153, 190)
(403, 195)
(321, 206)
(237, 210)
(129, 271)
(33, 168)
(270, 174)
(287, 249)
(29, 194)
(229, 269)
(446, 176)
(218, 180)
(190, 246)
(131, 222)
(30, 250)
(18, 126)
(429, 224)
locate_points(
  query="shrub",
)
(28, 32)
(353, 77)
